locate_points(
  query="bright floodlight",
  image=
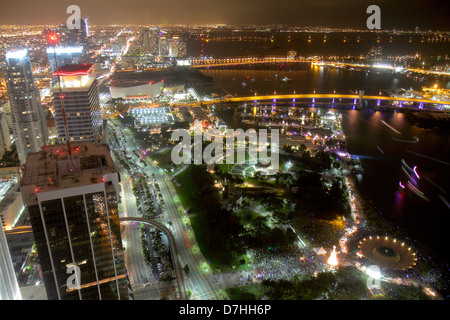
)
(17, 54)
(373, 272)
(332, 260)
(60, 50)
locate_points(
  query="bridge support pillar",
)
(361, 95)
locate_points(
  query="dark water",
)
(425, 220)
(310, 78)
(392, 44)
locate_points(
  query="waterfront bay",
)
(374, 138)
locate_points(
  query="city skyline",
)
(224, 150)
(345, 14)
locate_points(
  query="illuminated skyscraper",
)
(375, 54)
(5, 137)
(80, 98)
(151, 40)
(61, 56)
(28, 119)
(171, 46)
(73, 37)
(72, 201)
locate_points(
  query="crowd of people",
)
(277, 264)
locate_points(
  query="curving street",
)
(199, 280)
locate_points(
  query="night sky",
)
(400, 14)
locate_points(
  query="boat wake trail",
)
(415, 139)
(390, 127)
(428, 157)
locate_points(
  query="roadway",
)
(198, 282)
(138, 272)
(173, 251)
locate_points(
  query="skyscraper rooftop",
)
(52, 169)
(74, 69)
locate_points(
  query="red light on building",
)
(52, 37)
(74, 70)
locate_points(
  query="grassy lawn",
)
(225, 167)
(186, 190)
(164, 159)
(189, 188)
(250, 292)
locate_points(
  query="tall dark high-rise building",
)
(72, 201)
(28, 118)
(151, 40)
(375, 54)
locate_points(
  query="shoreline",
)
(363, 213)
(366, 221)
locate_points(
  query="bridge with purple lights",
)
(322, 98)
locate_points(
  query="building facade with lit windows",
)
(5, 137)
(151, 40)
(61, 56)
(72, 201)
(79, 97)
(171, 46)
(28, 117)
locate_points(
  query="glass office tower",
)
(72, 202)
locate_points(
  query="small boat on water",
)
(286, 79)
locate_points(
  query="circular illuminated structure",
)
(387, 253)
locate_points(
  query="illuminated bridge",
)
(337, 99)
(219, 62)
(236, 61)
